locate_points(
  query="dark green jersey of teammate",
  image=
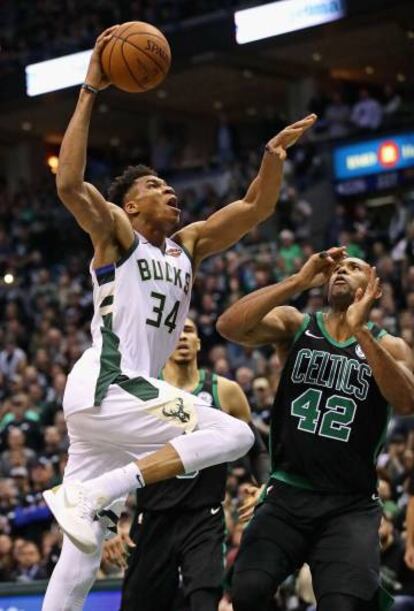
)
(204, 488)
(329, 417)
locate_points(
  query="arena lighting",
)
(8, 278)
(285, 16)
(58, 73)
(53, 163)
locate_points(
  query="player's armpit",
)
(187, 237)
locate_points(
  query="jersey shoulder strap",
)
(309, 321)
(210, 385)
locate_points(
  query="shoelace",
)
(86, 509)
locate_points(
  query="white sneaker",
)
(74, 510)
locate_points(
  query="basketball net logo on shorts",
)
(178, 413)
(359, 352)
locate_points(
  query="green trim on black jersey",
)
(321, 324)
(302, 327)
(292, 480)
(214, 388)
(381, 440)
(201, 380)
(200, 383)
(128, 252)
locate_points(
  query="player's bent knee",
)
(252, 590)
(239, 440)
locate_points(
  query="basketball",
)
(137, 58)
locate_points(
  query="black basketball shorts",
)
(169, 543)
(336, 534)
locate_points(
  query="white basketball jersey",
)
(140, 306)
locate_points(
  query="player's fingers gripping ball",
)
(137, 57)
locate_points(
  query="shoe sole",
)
(85, 547)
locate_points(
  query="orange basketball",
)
(137, 58)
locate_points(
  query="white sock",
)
(116, 483)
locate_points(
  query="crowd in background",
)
(41, 29)
(362, 111)
(46, 308)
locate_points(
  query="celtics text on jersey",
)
(329, 417)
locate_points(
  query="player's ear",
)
(378, 293)
(131, 207)
(198, 344)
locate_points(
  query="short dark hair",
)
(121, 185)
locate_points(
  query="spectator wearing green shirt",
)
(290, 252)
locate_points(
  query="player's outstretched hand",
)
(357, 314)
(288, 136)
(95, 76)
(319, 267)
(116, 550)
(246, 510)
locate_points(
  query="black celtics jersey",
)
(204, 488)
(329, 418)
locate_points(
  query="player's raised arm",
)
(228, 225)
(83, 200)
(390, 358)
(261, 318)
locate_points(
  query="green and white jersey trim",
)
(140, 305)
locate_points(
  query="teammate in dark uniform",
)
(328, 423)
(181, 525)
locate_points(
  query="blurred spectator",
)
(17, 455)
(12, 358)
(396, 576)
(337, 116)
(290, 252)
(367, 112)
(29, 563)
(261, 406)
(22, 417)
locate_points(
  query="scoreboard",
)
(374, 165)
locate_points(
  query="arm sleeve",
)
(259, 457)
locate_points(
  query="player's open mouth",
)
(340, 281)
(173, 201)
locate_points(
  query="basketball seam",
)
(143, 32)
(110, 60)
(164, 71)
(128, 68)
(114, 39)
(126, 30)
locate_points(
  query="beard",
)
(340, 299)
